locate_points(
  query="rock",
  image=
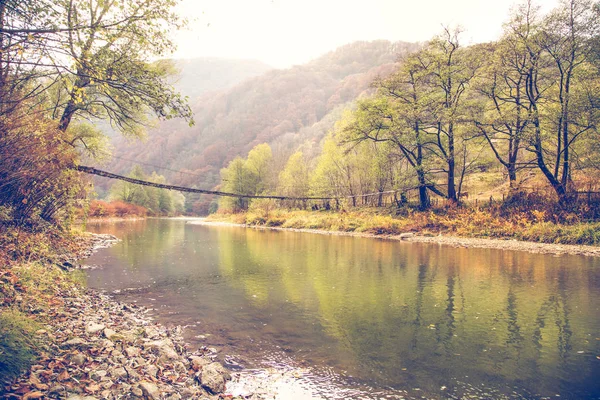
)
(188, 393)
(406, 235)
(164, 347)
(75, 343)
(119, 373)
(107, 343)
(175, 396)
(179, 367)
(150, 390)
(211, 378)
(198, 362)
(116, 353)
(98, 375)
(152, 370)
(151, 332)
(132, 373)
(78, 359)
(33, 395)
(109, 333)
(136, 391)
(139, 361)
(132, 351)
(93, 328)
(107, 385)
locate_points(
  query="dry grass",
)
(533, 225)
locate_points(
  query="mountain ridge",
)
(273, 107)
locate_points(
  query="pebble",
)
(78, 359)
(109, 333)
(150, 390)
(77, 342)
(94, 328)
(100, 348)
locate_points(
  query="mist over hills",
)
(287, 108)
(198, 76)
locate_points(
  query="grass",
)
(18, 346)
(30, 284)
(532, 225)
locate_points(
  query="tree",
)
(91, 59)
(560, 80)
(450, 69)
(567, 37)
(112, 77)
(259, 163)
(502, 116)
(294, 180)
(131, 192)
(236, 178)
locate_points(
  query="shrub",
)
(117, 208)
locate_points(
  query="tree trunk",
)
(66, 116)
(539, 153)
(424, 200)
(451, 165)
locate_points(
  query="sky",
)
(283, 33)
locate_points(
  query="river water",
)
(349, 317)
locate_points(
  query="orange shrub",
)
(120, 209)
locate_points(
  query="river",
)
(350, 317)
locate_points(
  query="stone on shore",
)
(150, 390)
(75, 343)
(98, 348)
(109, 333)
(93, 328)
(211, 378)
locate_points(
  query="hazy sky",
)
(287, 32)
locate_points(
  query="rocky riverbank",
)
(92, 347)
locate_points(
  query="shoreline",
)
(93, 346)
(447, 240)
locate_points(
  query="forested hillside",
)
(513, 119)
(283, 107)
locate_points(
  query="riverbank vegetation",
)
(476, 223)
(65, 65)
(497, 139)
(33, 277)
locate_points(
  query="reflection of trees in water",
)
(146, 242)
(562, 313)
(392, 305)
(450, 308)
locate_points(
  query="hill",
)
(282, 107)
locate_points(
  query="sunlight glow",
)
(287, 32)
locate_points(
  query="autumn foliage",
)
(119, 209)
(36, 183)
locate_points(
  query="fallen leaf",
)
(92, 388)
(63, 376)
(33, 395)
(41, 386)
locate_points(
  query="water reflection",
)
(388, 314)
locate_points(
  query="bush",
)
(119, 209)
(35, 176)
